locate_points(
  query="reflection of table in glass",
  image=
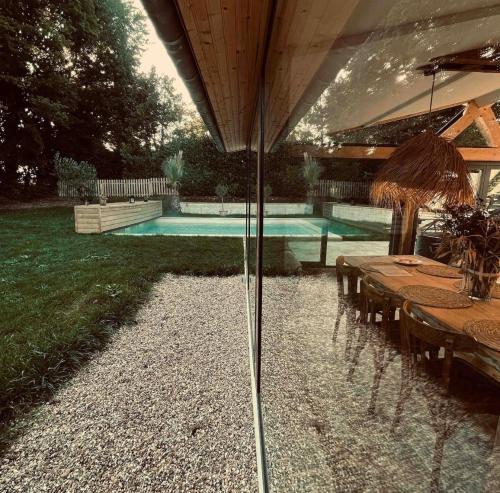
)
(445, 415)
(446, 319)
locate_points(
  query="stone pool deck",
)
(166, 407)
(309, 251)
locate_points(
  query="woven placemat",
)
(439, 271)
(372, 266)
(437, 297)
(496, 292)
(486, 332)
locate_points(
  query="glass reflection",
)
(355, 397)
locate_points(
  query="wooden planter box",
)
(97, 218)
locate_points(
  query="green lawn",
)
(61, 294)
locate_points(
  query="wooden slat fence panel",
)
(343, 189)
(139, 187)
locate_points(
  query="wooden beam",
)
(374, 152)
(480, 153)
(471, 112)
(487, 123)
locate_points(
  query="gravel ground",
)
(166, 407)
(320, 432)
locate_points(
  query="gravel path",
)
(167, 407)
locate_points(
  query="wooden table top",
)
(449, 319)
(358, 260)
(446, 319)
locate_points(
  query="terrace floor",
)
(167, 406)
(325, 431)
(309, 251)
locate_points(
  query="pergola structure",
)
(482, 116)
(486, 159)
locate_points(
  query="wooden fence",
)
(139, 187)
(343, 189)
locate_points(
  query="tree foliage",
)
(221, 190)
(70, 82)
(77, 174)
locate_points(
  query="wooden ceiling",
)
(303, 34)
(227, 38)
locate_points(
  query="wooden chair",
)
(376, 302)
(347, 296)
(422, 344)
(423, 369)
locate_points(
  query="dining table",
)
(451, 320)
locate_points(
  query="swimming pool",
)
(235, 227)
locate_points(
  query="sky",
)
(155, 55)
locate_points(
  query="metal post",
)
(324, 243)
(484, 183)
(248, 206)
(259, 235)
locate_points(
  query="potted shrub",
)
(221, 191)
(312, 172)
(472, 236)
(103, 199)
(267, 193)
(173, 169)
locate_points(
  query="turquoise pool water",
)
(235, 227)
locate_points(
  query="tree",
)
(157, 113)
(76, 174)
(268, 190)
(70, 82)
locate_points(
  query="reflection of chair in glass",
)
(376, 301)
(421, 344)
(451, 388)
(347, 300)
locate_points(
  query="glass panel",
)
(494, 189)
(357, 393)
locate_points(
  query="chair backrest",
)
(341, 268)
(379, 295)
(433, 336)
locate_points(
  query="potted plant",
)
(173, 169)
(472, 236)
(267, 193)
(103, 199)
(221, 191)
(312, 172)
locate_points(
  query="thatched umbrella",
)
(424, 168)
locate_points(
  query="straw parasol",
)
(424, 168)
